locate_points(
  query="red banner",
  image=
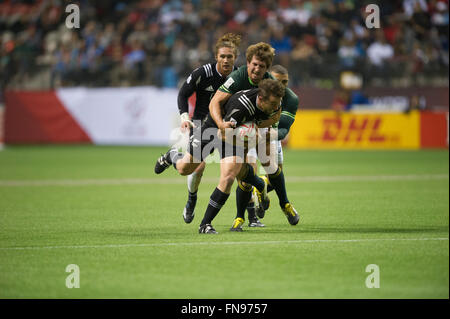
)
(39, 117)
(434, 129)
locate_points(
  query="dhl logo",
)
(355, 129)
(325, 129)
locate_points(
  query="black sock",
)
(253, 179)
(277, 181)
(192, 200)
(251, 211)
(243, 195)
(216, 201)
(270, 188)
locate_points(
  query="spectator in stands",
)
(380, 53)
(281, 42)
(297, 29)
(303, 56)
(134, 61)
(349, 54)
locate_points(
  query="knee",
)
(226, 182)
(184, 170)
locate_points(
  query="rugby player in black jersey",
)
(204, 82)
(262, 106)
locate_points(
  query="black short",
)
(203, 141)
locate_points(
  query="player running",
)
(204, 82)
(259, 59)
(260, 105)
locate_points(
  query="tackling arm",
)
(286, 120)
(215, 109)
(272, 120)
(289, 110)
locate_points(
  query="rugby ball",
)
(246, 131)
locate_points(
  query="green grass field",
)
(103, 209)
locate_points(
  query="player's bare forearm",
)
(215, 107)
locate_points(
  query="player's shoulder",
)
(249, 93)
(243, 97)
(291, 97)
(291, 94)
(239, 73)
(208, 69)
(234, 78)
(290, 102)
(201, 73)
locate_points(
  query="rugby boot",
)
(291, 214)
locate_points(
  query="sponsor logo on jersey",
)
(210, 88)
(228, 83)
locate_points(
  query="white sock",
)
(193, 181)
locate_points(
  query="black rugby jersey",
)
(204, 81)
(240, 108)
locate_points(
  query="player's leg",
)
(277, 181)
(167, 159)
(229, 169)
(193, 181)
(266, 153)
(252, 209)
(243, 196)
(188, 162)
(185, 163)
(246, 178)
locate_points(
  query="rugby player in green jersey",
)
(259, 59)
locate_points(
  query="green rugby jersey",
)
(238, 80)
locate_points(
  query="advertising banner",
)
(331, 130)
(119, 116)
(434, 129)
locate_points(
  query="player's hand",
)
(186, 126)
(276, 116)
(224, 125)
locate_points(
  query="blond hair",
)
(229, 40)
(263, 51)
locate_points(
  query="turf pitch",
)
(103, 209)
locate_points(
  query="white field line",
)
(181, 180)
(208, 243)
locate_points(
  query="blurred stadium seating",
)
(157, 42)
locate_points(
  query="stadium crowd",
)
(158, 42)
